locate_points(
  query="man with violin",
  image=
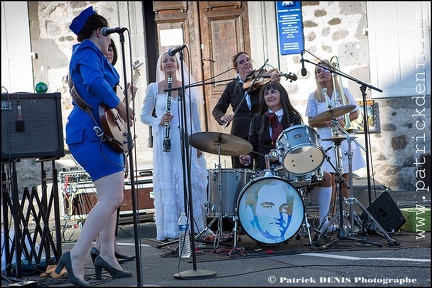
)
(243, 98)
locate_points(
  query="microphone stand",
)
(131, 167)
(187, 184)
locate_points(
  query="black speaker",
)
(31, 126)
(363, 198)
(386, 213)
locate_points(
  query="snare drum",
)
(231, 183)
(270, 210)
(300, 180)
(300, 149)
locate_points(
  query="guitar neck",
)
(135, 76)
(134, 80)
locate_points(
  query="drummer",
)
(276, 113)
(331, 94)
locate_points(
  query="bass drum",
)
(270, 210)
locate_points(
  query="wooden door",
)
(224, 32)
(213, 32)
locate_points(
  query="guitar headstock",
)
(136, 65)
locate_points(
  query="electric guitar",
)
(113, 125)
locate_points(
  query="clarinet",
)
(167, 140)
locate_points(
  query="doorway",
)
(213, 31)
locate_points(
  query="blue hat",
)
(79, 21)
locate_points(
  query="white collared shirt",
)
(279, 113)
(246, 95)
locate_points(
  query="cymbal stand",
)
(352, 200)
(339, 181)
(342, 235)
(219, 231)
(219, 237)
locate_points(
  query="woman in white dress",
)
(325, 96)
(168, 183)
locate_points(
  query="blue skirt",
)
(97, 158)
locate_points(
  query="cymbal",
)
(336, 138)
(330, 114)
(230, 145)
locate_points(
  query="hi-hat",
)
(336, 138)
(330, 114)
(230, 145)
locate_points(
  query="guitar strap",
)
(78, 99)
(87, 108)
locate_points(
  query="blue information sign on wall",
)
(290, 27)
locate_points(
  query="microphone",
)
(303, 69)
(107, 31)
(173, 51)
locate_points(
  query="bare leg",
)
(116, 247)
(110, 192)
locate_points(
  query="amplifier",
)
(79, 195)
(31, 126)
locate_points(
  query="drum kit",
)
(236, 193)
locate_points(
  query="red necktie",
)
(275, 125)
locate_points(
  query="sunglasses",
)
(324, 70)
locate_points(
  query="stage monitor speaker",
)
(386, 213)
(363, 198)
(31, 126)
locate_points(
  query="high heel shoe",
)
(94, 253)
(121, 257)
(65, 261)
(124, 257)
(115, 273)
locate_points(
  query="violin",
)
(257, 80)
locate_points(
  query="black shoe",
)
(121, 258)
(124, 257)
(94, 253)
(65, 261)
(115, 273)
